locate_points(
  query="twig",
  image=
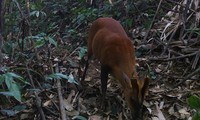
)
(174, 58)
(61, 103)
(26, 19)
(66, 55)
(73, 51)
(152, 22)
(3, 118)
(137, 10)
(21, 13)
(188, 76)
(170, 39)
(52, 112)
(38, 100)
(1, 48)
(177, 3)
(1, 29)
(196, 60)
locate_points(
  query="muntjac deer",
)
(109, 43)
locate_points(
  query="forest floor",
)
(163, 100)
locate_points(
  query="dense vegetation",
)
(43, 43)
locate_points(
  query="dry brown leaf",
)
(159, 113)
(68, 102)
(47, 103)
(68, 106)
(24, 116)
(158, 70)
(184, 113)
(120, 116)
(87, 79)
(171, 110)
(154, 118)
(95, 117)
(110, 1)
(72, 113)
(157, 89)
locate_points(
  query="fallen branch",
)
(188, 76)
(37, 98)
(152, 22)
(61, 103)
(174, 58)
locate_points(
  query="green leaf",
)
(78, 117)
(34, 37)
(57, 76)
(14, 91)
(196, 116)
(39, 43)
(8, 47)
(52, 41)
(32, 13)
(17, 95)
(82, 52)
(43, 13)
(14, 75)
(12, 85)
(194, 102)
(61, 76)
(19, 107)
(42, 35)
(9, 112)
(71, 79)
(8, 80)
(7, 93)
(37, 13)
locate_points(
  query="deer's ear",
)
(134, 83)
(136, 87)
(127, 80)
(140, 87)
(144, 86)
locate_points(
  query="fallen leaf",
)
(159, 113)
(95, 117)
(68, 102)
(154, 118)
(171, 110)
(158, 70)
(24, 116)
(183, 111)
(68, 106)
(47, 103)
(72, 113)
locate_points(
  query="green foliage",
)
(194, 102)
(50, 23)
(70, 78)
(8, 47)
(38, 14)
(82, 52)
(69, 19)
(194, 30)
(82, 15)
(13, 111)
(9, 79)
(128, 22)
(41, 39)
